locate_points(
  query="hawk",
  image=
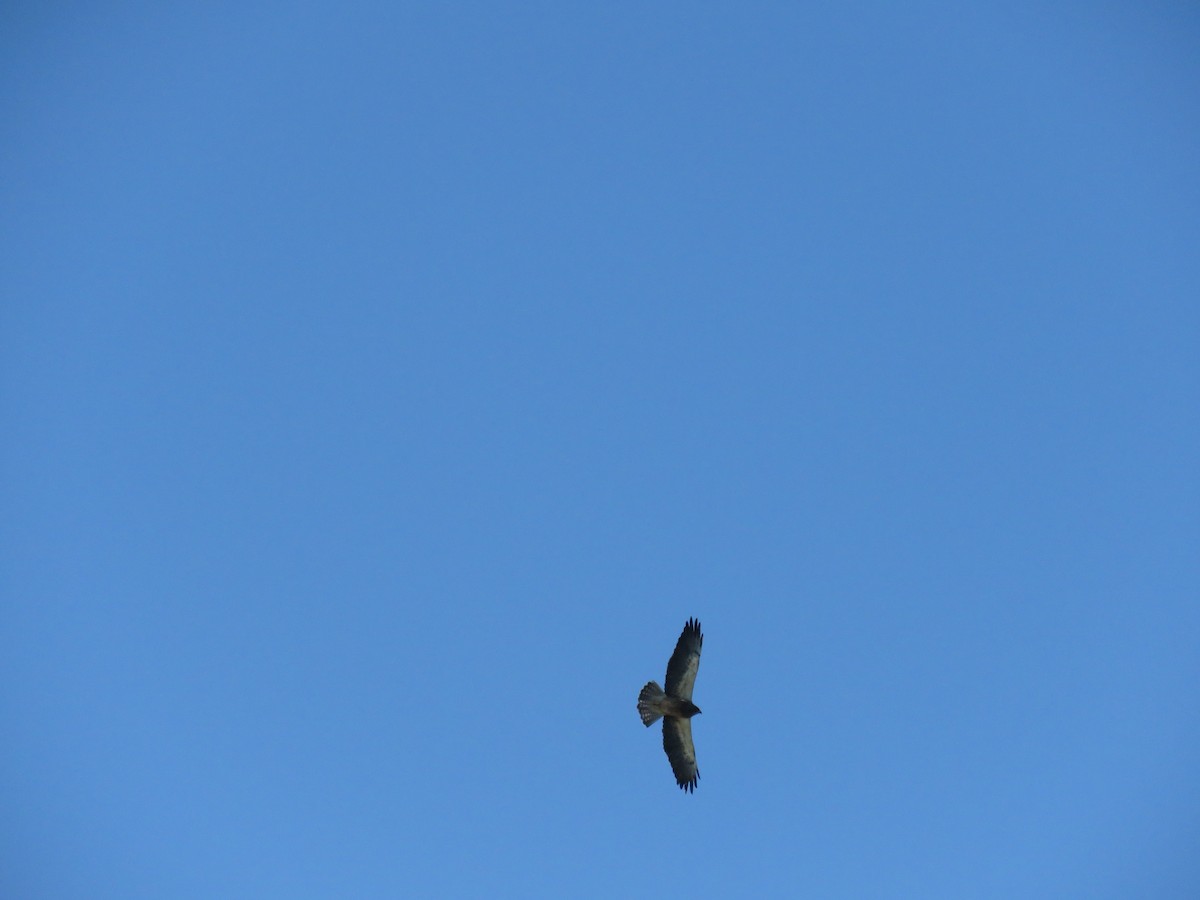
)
(675, 707)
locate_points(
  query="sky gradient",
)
(384, 386)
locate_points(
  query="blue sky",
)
(384, 385)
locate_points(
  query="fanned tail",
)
(648, 703)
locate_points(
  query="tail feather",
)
(648, 703)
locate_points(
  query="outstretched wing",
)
(677, 741)
(684, 663)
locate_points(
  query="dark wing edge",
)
(685, 662)
(677, 741)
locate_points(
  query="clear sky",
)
(385, 384)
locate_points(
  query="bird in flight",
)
(675, 707)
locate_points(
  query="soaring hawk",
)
(675, 707)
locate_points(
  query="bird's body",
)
(675, 707)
